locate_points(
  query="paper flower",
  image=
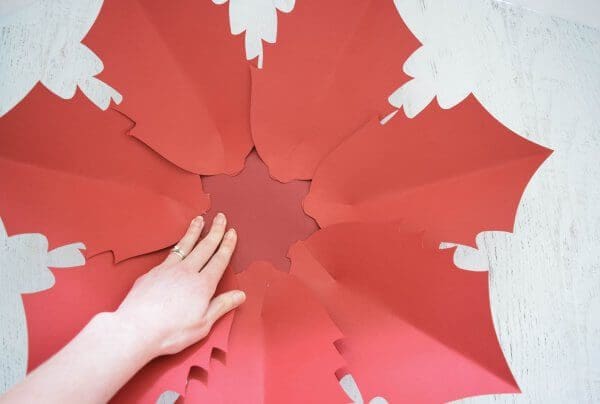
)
(24, 268)
(401, 316)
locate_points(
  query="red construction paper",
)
(332, 69)
(197, 390)
(184, 79)
(55, 316)
(417, 329)
(453, 173)
(280, 347)
(69, 171)
(266, 214)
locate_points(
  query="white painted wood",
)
(41, 42)
(539, 75)
(580, 11)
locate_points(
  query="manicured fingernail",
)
(220, 218)
(239, 297)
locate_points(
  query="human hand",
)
(167, 309)
(172, 306)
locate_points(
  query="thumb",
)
(223, 304)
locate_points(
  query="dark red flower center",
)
(266, 213)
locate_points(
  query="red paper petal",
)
(280, 347)
(453, 173)
(417, 328)
(183, 76)
(69, 171)
(55, 316)
(334, 65)
(266, 214)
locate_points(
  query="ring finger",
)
(188, 241)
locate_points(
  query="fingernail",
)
(239, 297)
(220, 218)
(231, 233)
(198, 219)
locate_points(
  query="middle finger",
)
(207, 246)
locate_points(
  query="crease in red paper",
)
(452, 173)
(56, 315)
(69, 171)
(281, 347)
(333, 68)
(417, 329)
(183, 78)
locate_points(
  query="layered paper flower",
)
(369, 294)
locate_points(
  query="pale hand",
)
(166, 310)
(172, 306)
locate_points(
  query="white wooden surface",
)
(539, 74)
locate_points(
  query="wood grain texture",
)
(545, 278)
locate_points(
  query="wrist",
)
(125, 336)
